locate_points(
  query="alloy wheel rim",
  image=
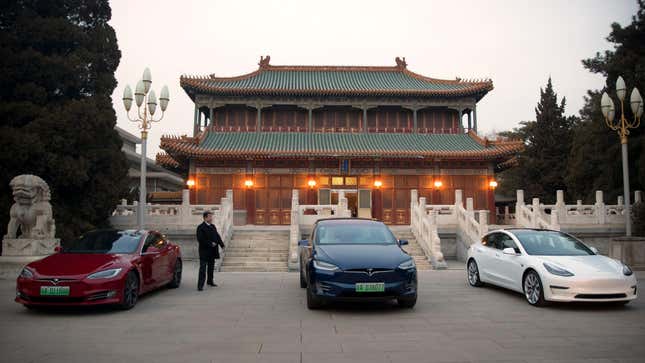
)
(532, 289)
(131, 291)
(472, 273)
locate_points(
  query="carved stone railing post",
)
(599, 208)
(294, 231)
(459, 197)
(559, 203)
(638, 196)
(483, 222)
(536, 212)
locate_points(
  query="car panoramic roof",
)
(341, 220)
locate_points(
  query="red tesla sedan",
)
(101, 267)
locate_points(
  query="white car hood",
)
(591, 265)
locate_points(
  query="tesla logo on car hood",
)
(370, 271)
(55, 281)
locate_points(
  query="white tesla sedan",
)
(548, 265)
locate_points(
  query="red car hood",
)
(73, 264)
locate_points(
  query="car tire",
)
(313, 302)
(130, 291)
(533, 291)
(472, 271)
(407, 302)
(176, 275)
(303, 282)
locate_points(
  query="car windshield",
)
(354, 233)
(551, 243)
(104, 242)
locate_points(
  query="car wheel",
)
(473, 274)
(130, 291)
(303, 282)
(533, 290)
(176, 275)
(313, 302)
(407, 302)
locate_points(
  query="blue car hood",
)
(347, 256)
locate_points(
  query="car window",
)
(551, 243)
(492, 240)
(104, 242)
(350, 233)
(505, 241)
(153, 240)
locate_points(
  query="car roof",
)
(348, 220)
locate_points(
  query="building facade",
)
(374, 133)
(158, 179)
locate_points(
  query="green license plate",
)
(370, 287)
(54, 290)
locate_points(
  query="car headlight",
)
(105, 274)
(26, 273)
(559, 271)
(627, 271)
(407, 265)
(320, 265)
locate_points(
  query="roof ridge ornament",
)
(401, 63)
(264, 61)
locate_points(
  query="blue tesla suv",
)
(356, 259)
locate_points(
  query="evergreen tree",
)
(540, 167)
(595, 155)
(57, 63)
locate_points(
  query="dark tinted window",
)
(153, 240)
(505, 241)
(105, 242)
(551, 243)
(353, 233)
(492, 240)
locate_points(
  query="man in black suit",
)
(209, 242)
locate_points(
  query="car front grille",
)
(600, 296)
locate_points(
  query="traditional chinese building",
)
(373, 132)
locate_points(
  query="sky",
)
(516, 43)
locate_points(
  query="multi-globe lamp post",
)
(147, 97)
(622, 126)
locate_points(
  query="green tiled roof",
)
(303, 144)
(332, 80)
(343, 143)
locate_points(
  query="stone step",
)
(244, 259)
(236, 253)
(252, 269)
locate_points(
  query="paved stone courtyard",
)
(261, 317)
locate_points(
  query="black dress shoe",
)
(200, 289)
(212, 284)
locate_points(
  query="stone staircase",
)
(255, 250)
(413, 248)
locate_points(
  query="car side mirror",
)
(510, 251)
(57, 249)
(303, 243)
(403, 242)
(594, 250)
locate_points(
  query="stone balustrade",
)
(425, 220)
(304, 216)
(176, 217)
(555, 216)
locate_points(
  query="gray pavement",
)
(262, 317)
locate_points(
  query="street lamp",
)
(622, 126)
(143, 95)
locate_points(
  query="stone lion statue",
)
(31, 212)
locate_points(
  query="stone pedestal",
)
(29, 246)
(10, 266)
(629, 250)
